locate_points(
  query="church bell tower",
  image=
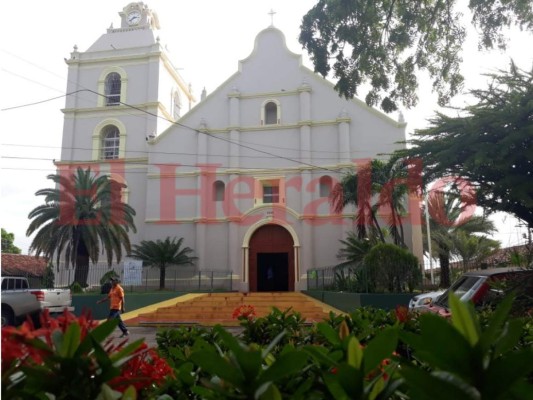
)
(122, 91)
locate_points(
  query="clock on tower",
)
(138, 15)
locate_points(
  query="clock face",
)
(134, 18)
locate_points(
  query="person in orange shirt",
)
(116, 304)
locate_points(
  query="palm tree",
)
(446, 222)
(473, 248)
(376, 177)
(82, 217)
(162, 254)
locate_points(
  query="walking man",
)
(117, 304)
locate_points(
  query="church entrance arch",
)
(271, 259)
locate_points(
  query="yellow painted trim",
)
(166, 303)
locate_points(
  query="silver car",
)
(421, 300)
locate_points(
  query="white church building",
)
(243, 174)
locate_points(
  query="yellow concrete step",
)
(212, 308)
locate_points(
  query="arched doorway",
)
(271, 260)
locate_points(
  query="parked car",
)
(484, 287)
(423, 299)
(19, 300)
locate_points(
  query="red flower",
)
(144, 369)
(402, 313)
(244, 312)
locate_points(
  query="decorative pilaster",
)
(234, 123)
(343, 121)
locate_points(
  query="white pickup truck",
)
(19, 300)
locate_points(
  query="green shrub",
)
(76, 288)
(48, 278)
(392, 268)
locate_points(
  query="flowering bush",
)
(371, 355)
(71, 357)
(244, 312)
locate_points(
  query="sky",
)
(206, 38)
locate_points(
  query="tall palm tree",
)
(388, 179)
(446, 221)
(473, 249)
(161, 254)
(82, 217)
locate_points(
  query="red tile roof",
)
(19, 264)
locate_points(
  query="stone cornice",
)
(140, 162)
(106, 110)
(266, 173)
(241, 95)
(274, 127)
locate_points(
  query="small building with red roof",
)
(23, 265)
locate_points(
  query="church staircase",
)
(217, 308)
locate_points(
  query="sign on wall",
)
(132, 272)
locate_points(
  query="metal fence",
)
(356, 279)
(177, 278)
(333, 278)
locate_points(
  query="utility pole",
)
(428, 233)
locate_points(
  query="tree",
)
(161, 254)
(386, 179)
(491, 147)
(82, 217)
(7, 243)
(393, 268)
(473, 249)
(447, 220)
(385, 43)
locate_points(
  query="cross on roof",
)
(271, 13)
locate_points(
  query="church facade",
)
(242, 174)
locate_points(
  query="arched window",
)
(110, 142)
(271, 113)
(218, 191)
(325, 184)
(113, 85)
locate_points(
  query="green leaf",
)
(377, 388)
(120, 356)
(107, 369)
(215, 364)
(464, 319)
(321, 355)
(510, 337)
(271, 393)
(453, 352)
(130, 393)
(99, 334)
(354, 353)
(329, 333)
(351, 380)
(495, 326)
(380, 348)
(286, 365)
(250, 364)
(71, 341)
(507, 371)
(334, 386)
(274, 343)
(423, 385)
(106, 393)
